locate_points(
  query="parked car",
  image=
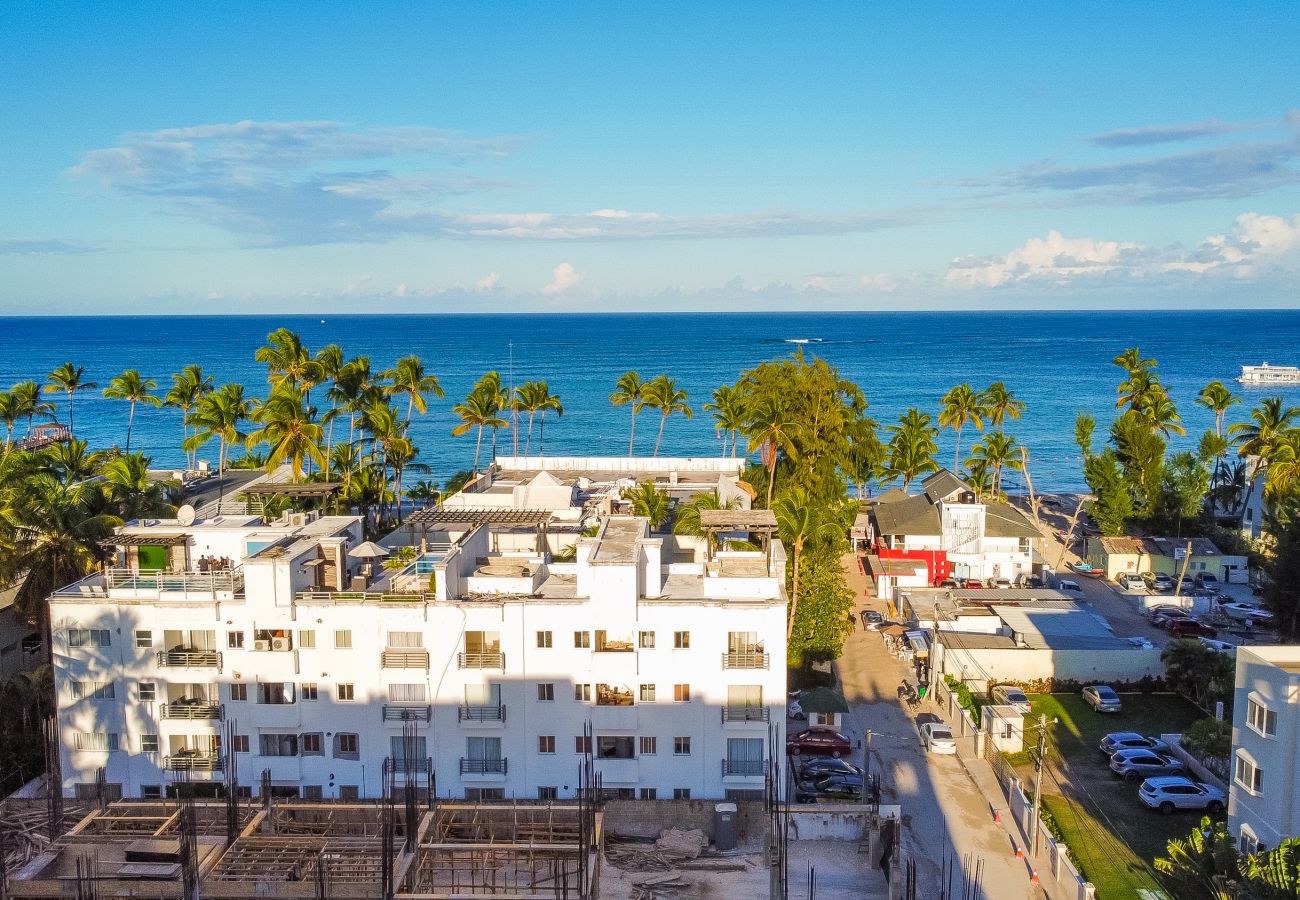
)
(1186, 585)
(1130, 582)
(1152, 611)
(1129, 740)
(817, 742)
(937, 738)
(794, 711)
(1163, 618)
(842, 787)
(1066, 584)
(1159, 582)
(1189, 628)
(972, 583)
(1001, 582)
(949, 583)
(1246, 612)
(1007, 695)
(1219, 646)
(1035, 581)
(816, 767)
(1170, 792)
(872, 618)
(1102, 698)
(1135, 765)
(1207, 581)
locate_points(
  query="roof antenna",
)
(514, 408)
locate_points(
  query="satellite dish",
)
(185, 515)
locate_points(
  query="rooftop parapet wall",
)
(649, 465)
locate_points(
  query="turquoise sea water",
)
(1058, 363)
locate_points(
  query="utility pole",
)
(866, 767)
(1182, 573)
(1038, 782)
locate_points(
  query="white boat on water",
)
(1267, 374)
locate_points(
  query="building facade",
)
(1264, 796)
(495, 672)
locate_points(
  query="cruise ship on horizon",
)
(1267, 374)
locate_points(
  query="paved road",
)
(949, 816)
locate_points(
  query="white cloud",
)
(563, 278)
(1256, 242)
(1053, 258)
(487, 283)
(400, 290)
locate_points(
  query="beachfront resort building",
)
(1264, 794)
(1164, 555)
(916, 540)
(521, 638)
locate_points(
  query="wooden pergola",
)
(754, 521)
(470, 517)
(306, 489)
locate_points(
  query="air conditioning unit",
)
(298, 519)
(280, 643)
(261, 645)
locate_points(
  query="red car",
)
(974, 583)
(1189, 628)
(817, 742)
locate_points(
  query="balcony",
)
(482, 766)
(743, 768)
(135, 584)
(192, 761)
(188, 710)
(189, 659)
(394, 713)
(481, 714)
(744, 715)
(745, 659)
(489, 659)
(404, 659)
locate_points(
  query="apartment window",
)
(582, 743)
(647, 693)
(405, 639)
(312, 792)
(546, 692)
(582, 640)
(681, 746)
(307, 639)
(345, 692)
(275, 693)
(681, 693)
(235, 640)
(545, 640)
(1248, 775)
(1261, 718)
(343, 639)
(480, 795)
(88, 637)
(681, 640)
(646, 640)
(313, 744)
(548, 793)
(546, 743)
(649, 745)
(582, 693)
(95, 740)
(151, 792)
(408, 693)
(143, 638)
(402, 748)
(615, 747)
(310, 691)
(349, 792)
(146, 691)
(681, 793)
(347, 745)
(740, 695)
(240, 743)
(649, 793)
(239, 692)
(148, 743)
(94, 690)
(278, 745)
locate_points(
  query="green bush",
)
(1209, 737)
(965, 699)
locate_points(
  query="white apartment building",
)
(502, 660)
(1264, 795)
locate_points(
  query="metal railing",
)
(746, 767)
(185, 582)
(395, 713)
(365, 597)
(404, 659)
(745, 659)
(482, 660)
(193, 762)
(193, 659)
(744, 714)
(482, 766)
(481, 714)
(194, 711)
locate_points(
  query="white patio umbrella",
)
(368, 550)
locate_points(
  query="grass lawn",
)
(1111, 835)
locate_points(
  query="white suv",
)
(1170, 792)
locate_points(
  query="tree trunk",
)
(956, 454)
(528, 444)
(771, 477)
(794, 599)
(71, 427)
(663, 420)
(130, 421)
(631, 438)
(478, 445)
(541, 434)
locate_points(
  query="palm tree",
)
(528, 398)
(801, 521)
(961, 406)
(69, 379)
(408, 377)
(353, 390)
(773, 430)
(728, 409)
(329, 360)
(1269, 421)
(910, 452)
(366, 490)
(133, 492)
(480, 410)
(11, 411)
(219, 415)
(28, 394)
(426, 491)
(1216, 397)
(1203, 864)
(134, 388)
(1138, 389)
(1131, 361)
(649, 501)
(494, 392)
(289, 431)
(663, 394)
(188, 385)
(546, 401)
(1284, 467)
(288, 361)
(997, 451)
(1272, 874)
(1163, 415)
(630, 389)
(1083, 428)
(1001, 404)
(688, 514)
(71, 461)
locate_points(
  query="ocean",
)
(1058, 363)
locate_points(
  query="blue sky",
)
(481, 157)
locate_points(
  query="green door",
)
(153, 558)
